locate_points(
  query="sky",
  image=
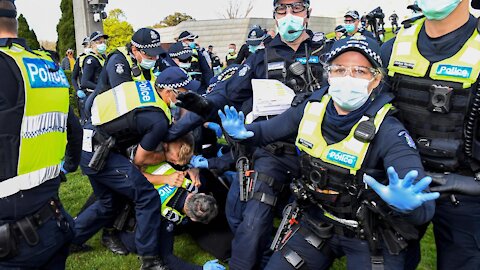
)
(140, 13)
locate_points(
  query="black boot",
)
(111, 241)
(80, 248)
(152, 263)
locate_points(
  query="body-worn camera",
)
(440, 99)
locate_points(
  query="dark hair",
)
(232, 44)
(8, 24)
(202, 208)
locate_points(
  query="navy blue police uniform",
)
(35, 230)
(456, 229)
(251, 221)
(119, 177)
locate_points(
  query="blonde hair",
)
(187, 144)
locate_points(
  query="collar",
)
(7, 42)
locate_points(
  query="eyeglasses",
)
(281, 9)
(188, 60)
(356, 71)
(348, 21)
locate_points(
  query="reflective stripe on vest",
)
(167, 192)
(82, 59)
(231, 57)
(125, 98)
(140, 77)
(43, 135)
(348, 153)
(463, 67)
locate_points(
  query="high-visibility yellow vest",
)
(140, 77)
(125, 98)
(348, 153)
(42, 135)
(463, 67)
(82, 59)
(167, 192)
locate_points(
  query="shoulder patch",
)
(89, 61)
(244, 70)
(318, 36)
(119, 68)
(408, 139)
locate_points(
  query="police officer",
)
(179, 201)
(76, 77)
(344, 132)
(251, 221)
(40, 139)
(183, 57)
(144, 119)
(353, 26)
(92, 64)
(435, 76)
(339, 32)
(199, 61)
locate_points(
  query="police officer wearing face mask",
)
(353, 26)
(252, 220)
(142, 117)
(345, 131)
(77, 76)
(255, 39)
(92, 64)
(434, 69)
(40, 140)
(200, 69)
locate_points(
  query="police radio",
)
(136, 71)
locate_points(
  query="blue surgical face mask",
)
(437, 9)
(290, 23)
(252, 48)
(185, 65)
(349, 93)
(192, 45)
(101, 48)
(350, 27)
(147, 63)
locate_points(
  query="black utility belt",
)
(27, 228)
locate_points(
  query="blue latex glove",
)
(62, 169)
(81, 94)
(220, 153)
(401, 193)
(199, 162)
(234, 123)
(213, 265)
(215, 127)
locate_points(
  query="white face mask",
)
(185, 65)
(349, 93)
(231, 51)
(147, 63)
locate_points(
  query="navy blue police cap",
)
(362, 44)
(177, 50)
(96, 35)
(340, 28)
(85, 41)
(8, 13)
(174, 78)
(187, 35)
(352, 13)
(148, 40)
(256, 36)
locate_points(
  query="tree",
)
(66, 28)
(119, 31)
(235, 7)
(173, 19)
(28, 34)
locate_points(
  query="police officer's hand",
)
(194, 174)
(213, 265)
(402, 194)
(215, 127)
(81, 94)
(455, 183)
(199, 162)
(194, 103)
(233, 123)
(176, 179)
(62, 168)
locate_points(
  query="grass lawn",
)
(75, 192)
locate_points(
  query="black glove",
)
(194, 103)
(455, 183)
